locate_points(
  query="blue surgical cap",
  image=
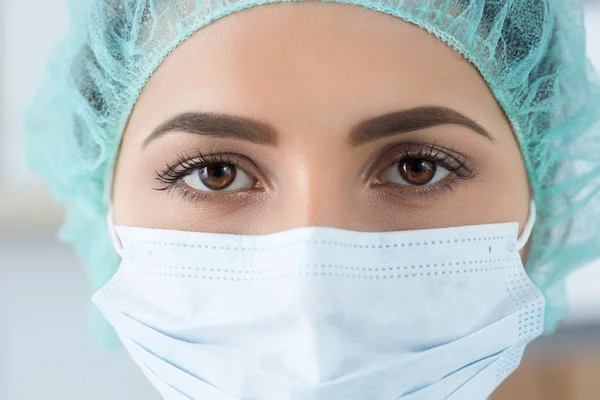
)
(530, 52)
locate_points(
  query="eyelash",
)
(455, 163)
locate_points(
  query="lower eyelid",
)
(396, 191)
(192, 196)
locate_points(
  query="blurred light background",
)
(46, 350)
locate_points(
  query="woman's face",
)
(317, 114)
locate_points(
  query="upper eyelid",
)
(382, 160)
(433, 154)
(203, 160)
(435, 160)
(238, 160)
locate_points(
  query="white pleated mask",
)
(318, 313)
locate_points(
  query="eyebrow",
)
(241, 128)
(217, 125)
(410, 120)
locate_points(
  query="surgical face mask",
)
(318, 313)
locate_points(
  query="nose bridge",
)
(319, 193)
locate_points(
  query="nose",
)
(317, 192)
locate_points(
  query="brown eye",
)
(415, 172)
(218, 176)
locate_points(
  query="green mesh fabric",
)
(531, 53)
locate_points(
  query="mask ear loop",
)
(522, 241)
(113, 234)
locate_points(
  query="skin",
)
(312, 71)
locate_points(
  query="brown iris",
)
(417, 171)
(217, 176)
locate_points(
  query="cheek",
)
(502, 193)
(524, 253)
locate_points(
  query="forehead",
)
(307, 62)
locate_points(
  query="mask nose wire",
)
(528, 228)
(113, 234)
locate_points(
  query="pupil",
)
(419, 166)
(218, 171)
